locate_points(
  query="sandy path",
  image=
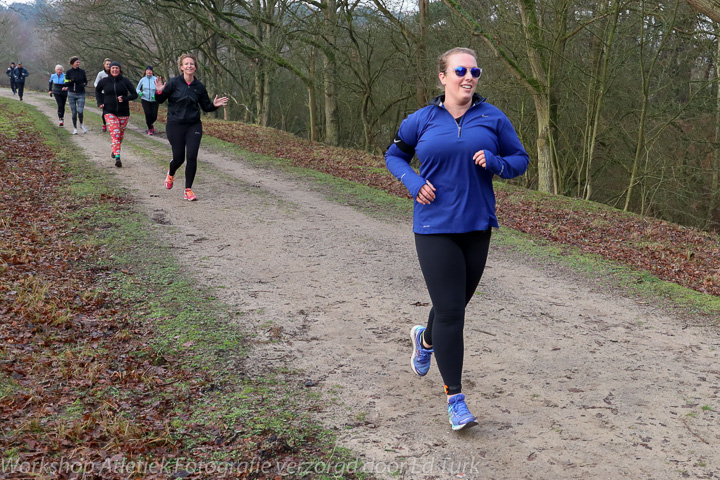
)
(569, 380)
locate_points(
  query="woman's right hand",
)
(426, 195)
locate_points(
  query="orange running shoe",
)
(189, 195)
(169, 181)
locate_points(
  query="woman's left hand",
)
(219, 102)
(159, 85)
(479, 158)
(120, 99)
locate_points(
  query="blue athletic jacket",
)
(56, 83)
(464, 196)
(146, 88)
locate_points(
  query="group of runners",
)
(185, 94)
(461, 141)
(17, 76)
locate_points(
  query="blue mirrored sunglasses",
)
(475, 71)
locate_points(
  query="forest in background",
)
(616, 101)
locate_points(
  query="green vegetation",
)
(638, 283)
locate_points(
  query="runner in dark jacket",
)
(19, 74)
(113, 94)
(9, 73)
(75, 81)
(186, 96)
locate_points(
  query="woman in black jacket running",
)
(75, 81)
(113, 94)
(186, 96)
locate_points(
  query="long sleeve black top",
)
(185, 101)
(109, 89)
(75, 80)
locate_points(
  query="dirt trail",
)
(569, 380)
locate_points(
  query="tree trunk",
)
(264, 119)
(259, 84)
(259, 61)
(711, 8)
(547, 173)
(312, 101)
(366, 123)
(544, 150)
(715, 182)
(332, 115)
(421, 90)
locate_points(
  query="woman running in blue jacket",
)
(462, 142)
(55, 88)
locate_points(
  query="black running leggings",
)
(452, 265)
(151, 112)
(60, 100)
(184, 138)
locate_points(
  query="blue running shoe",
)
(421, 356)
(460, 416)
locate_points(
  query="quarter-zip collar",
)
(440, 100)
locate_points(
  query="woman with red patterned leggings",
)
(113, 94)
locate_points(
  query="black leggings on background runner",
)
(452, 265)
(151, 112)
(184, 138)
(60, 100)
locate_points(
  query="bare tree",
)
(714, 204)
(646, 70)
(543, 56)
(596, 89)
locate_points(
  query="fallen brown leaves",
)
(671, 252)
(674, 253)
(82, 391)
